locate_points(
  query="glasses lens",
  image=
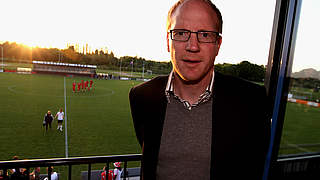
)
(207, 36)
(180, 35)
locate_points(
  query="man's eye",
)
(180, 33)
(204, 34)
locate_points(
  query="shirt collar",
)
(205, 96)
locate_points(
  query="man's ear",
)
(168, 46)
(219, 42)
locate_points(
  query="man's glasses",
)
(202, 36)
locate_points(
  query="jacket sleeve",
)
(136, 115)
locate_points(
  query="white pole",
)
(131, 67)
(120, 68)
(59, 55)
(142, 69)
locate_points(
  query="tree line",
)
(107, 60)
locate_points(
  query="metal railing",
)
(27, 164)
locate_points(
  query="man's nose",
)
(192, 43)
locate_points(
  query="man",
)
(86, 83)
(91, 83)
(79, 86)
(60, 116)
(74, 86)
(54, 175)
(82, 85)
(197, 123)
(48, 118)
(110, 174)
(117, 171)
(35, 175)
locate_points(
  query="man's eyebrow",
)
(207, 30)
(181, 29)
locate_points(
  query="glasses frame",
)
(196, 32)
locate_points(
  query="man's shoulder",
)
(149, 92)
(156, 84)
(233, 83)
(237, 88)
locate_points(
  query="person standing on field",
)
(74, 86)
(48, 118)
(60, 116)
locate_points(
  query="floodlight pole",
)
(142, 69)
(120, 67)
(59, 55)
(131, 68)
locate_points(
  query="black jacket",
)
(240, 126)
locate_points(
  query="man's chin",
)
(191, 80)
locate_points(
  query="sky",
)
(138, 28)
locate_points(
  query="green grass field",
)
(301, 129)
(99, 121)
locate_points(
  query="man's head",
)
(193, 50)
(214, 8)
(49, 112)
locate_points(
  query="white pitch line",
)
(65, 118)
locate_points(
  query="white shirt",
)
(204, 97)
(117, 173)
(60, 115)
(54, 176)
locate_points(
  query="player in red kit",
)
(79, 86)
(86, 85)
(82, 85)
(91, 83)
(74, 86)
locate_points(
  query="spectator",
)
(2, 176)
(110, 174)
(35, 175)
(117, 171)
(18, 173)
(54, 175)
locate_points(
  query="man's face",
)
(193, 61)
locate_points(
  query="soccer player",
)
(91, 83)
(79, 86)
(74, 86)
(60, 116)
(82, 85)
(86, 85)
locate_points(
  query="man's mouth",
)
(191, 61)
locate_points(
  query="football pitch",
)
(98, 121)
(300, 130)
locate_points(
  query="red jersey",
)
(110, 176)
(74, 86)
(79, 85)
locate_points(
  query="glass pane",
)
(301, 125)
(246, 35)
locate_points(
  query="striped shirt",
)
(204, 97)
